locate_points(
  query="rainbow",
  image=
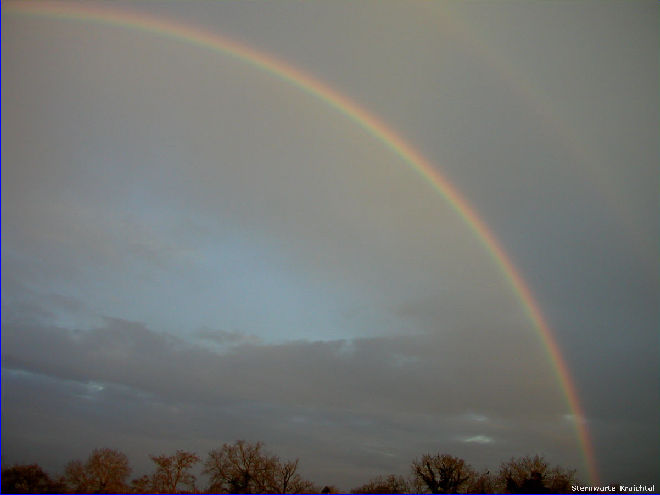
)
(370, 123)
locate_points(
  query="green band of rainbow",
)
(366, 120)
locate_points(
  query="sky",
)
(196, 251)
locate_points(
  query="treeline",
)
(244, 467)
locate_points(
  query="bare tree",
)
(381, 484)
(243, 467)
(285, 479)
(238, 468)
(173, 471)
(105, 471)
(441, 473)
(76, 478)
(483, 482)
(143, 484)
(534, 475)
(28, 478)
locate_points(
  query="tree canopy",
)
(244, 467)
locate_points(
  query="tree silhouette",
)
(483, 482)
(441, 473)
(105, 471)
(285, 479)
(237, 468)
(143, 484)
(533, 475)
(173, 471)
(243, 467)
(381, 484)
(28, 478)
(246, 468)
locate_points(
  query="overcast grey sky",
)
(195, 251)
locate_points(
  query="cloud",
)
(413, 374)
(480, 418)
(480, 439)
(224, 337)
(64, 419)
(387, 399)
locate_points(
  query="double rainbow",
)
(369, 122)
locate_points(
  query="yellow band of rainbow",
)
(366, 120)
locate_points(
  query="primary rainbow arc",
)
(375, 127)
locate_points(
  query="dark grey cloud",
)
(370, 405)
(424, 373)
(225, 337)
(150, 390)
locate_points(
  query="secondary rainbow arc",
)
(370, 123)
